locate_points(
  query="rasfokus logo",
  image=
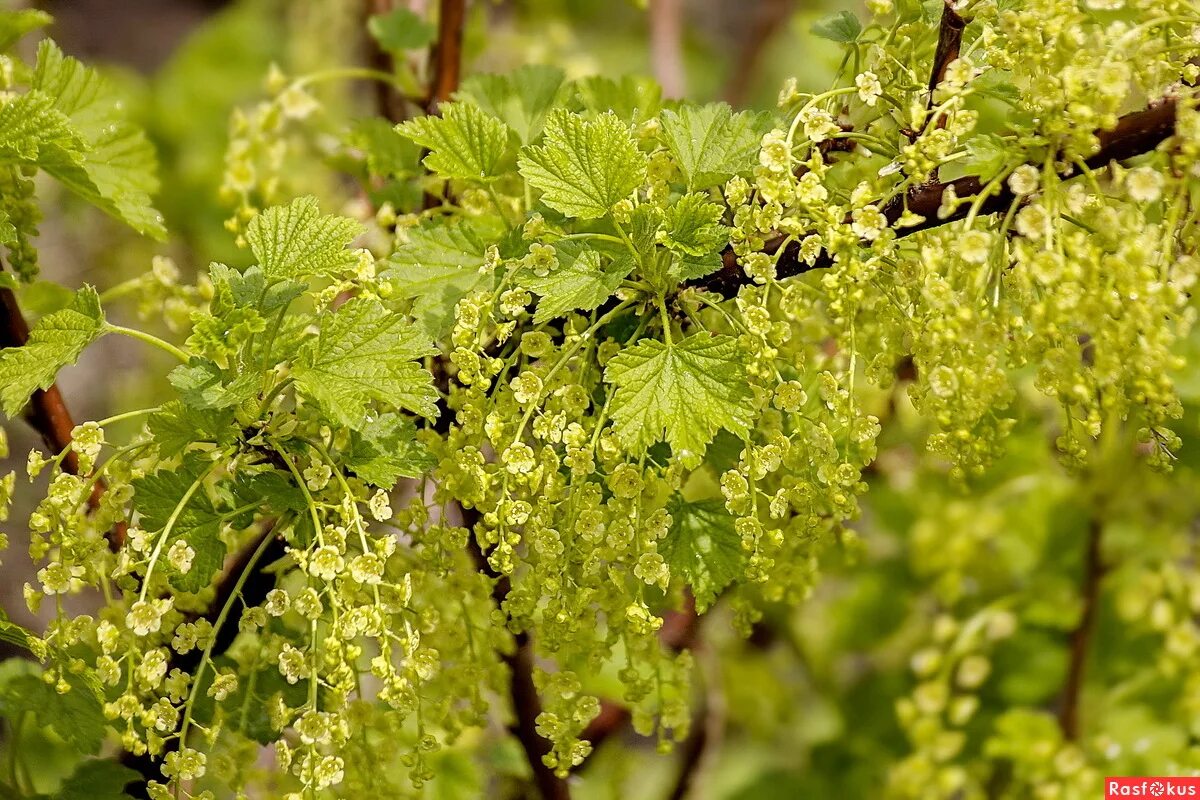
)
(1158, 786)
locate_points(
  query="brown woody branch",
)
(1081, 637)
(445, 66)
(445, 57)
(949, 45)
(693, 749)
(708, 722)
(707, 725)
(1136, 133)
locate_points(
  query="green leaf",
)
(388, 153)
(16, 635)
(97, 779)
(997, 83)
(77, 716)
(273, 488)
(401, 30)
(586, 166)
(296, 241)
(202, 384)
(643, 230)
(8, 238)
(30, 126)
(437, 267)
(117, 169)
(691, 226)
(910, 10)
(40, 298)
(521, 98)
(579, 284)
(690, 268)
(175, 427)
(702, 547)
(249, 708)
(711, 144)
(842, 27)
(16, 24)
(464, 141)
(643, 227)
(633, 99)
(364, 353)
(249, 289)
(156, 498)
(56, 341)
(988, 154)
(387, 449)
(681, 393)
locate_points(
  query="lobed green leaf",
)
(586, 166)
(522, 98)
(365, 353)
(464, 141)
(56, 340)
(682, 393)
(702, 547)
(296, 240)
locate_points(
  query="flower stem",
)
(150, 339)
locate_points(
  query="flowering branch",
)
(47, 412)
(678, 632)
(445, 59)
(253, 590)
(527, 706)
(1136, 133)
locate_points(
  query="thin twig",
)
(445, 57)
(1081, 636)
(666, 47)
(445, 66)
(769, 18)
(1136, 133)
(949, 45)
(692, 753)
(708, 723)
